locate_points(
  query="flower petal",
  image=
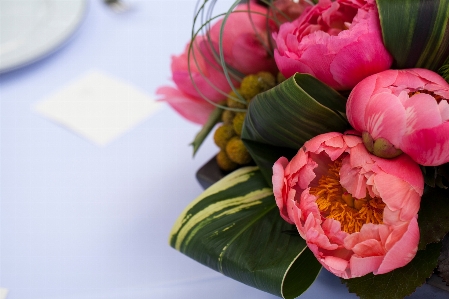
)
(386, 123)
(403, 250)
(428, 147)
(193, 109)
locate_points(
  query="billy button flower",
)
(357, 212)
(233, 153)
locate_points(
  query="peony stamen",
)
(335, 202)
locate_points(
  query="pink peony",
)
(245, 39)
(406, 110)
(244, 49)
(206, 75)
(339, 42)
(357, 212)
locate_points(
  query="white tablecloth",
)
(82, 221)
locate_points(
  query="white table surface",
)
(82, 221)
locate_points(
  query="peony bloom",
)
(339, 42)
(357, 212)
(415, 120)
(244, 49)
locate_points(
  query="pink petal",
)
(444, 110)
(352, 180)
(360, 59)
(422, 112)
(428, 147)
(279, 187)
(404, 168)
(357, 101)
(386, 123)
(250, 55)
(318, 59)
(315, 145)
(361, 266)
(403, 251)
(335, 264)
(370, 247)
(332, 228)
(410, 78)
(398, 195)
(193, 109)
(386, 79)
(289, 66)
(430, 76)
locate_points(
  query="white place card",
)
(3, 293)
(98, 107)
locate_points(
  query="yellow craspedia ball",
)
(232, 103)
(237, 122)
(237, 152)
(224, 162)
(223, 134)
(254, 84)
(227, 117)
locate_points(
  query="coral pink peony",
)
(245, 51)
(339, 42)
(406, 110)
(357, 212)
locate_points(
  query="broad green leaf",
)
(433, 217)
(214, 118)
(234, 227)
(420, 36)
(266, 155)
(283, 118)
(400, 282)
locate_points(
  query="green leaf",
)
(214, 118)
(400, 282)
(281, 119)
(266, 156)
(234, 227)
(433, 217)
(420, 36)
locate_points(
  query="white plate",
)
(31, 29)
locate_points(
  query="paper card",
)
(98, 107)
(3, 293)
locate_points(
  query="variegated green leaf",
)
(234, 227)
(416, 32)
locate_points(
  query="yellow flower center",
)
(336, 203)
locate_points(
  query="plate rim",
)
(54, 44)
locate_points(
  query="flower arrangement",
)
(331, 120)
